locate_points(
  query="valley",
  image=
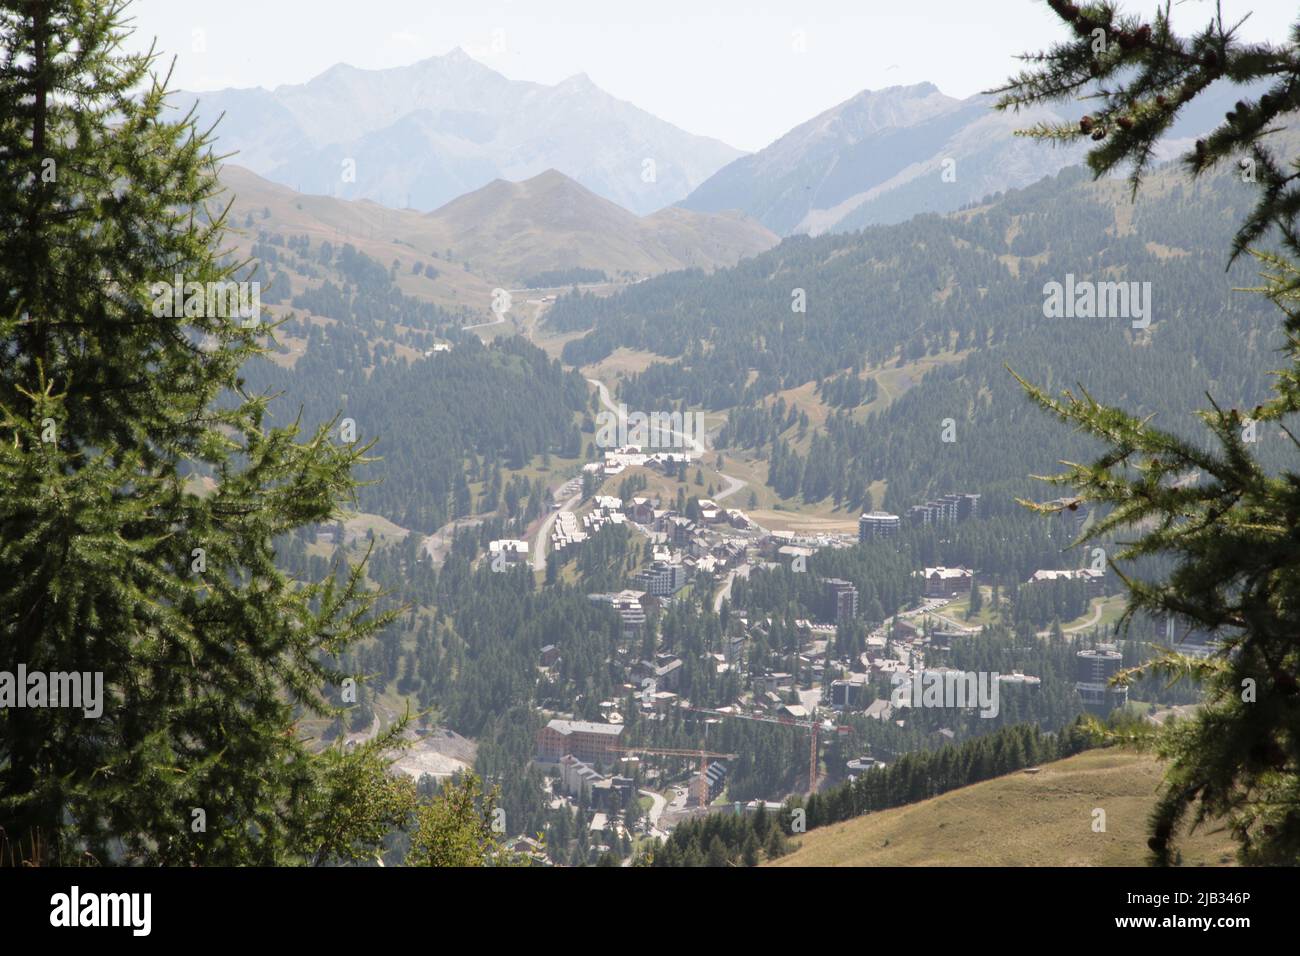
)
(668, 540)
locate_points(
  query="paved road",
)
(544, 532)
(658, 803)
(734, 484)
(691, 442)
(439, 543)
(957, 624)
(483, 325)
(1091, 622)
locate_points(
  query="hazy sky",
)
(744, 72)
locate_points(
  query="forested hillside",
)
(440, 419)
(969, 286)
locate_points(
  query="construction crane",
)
(809, 725)
(702, 755)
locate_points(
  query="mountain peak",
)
(870, 159)
(551, 221)
(553, 177)
(580, 81)
(450, 123)
(900, 93)
(925, 88)
(338, 69)
(457, 56)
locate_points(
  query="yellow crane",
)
(808, 725)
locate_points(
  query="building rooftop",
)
(1072, 574)
(584, 727)
(947, 572)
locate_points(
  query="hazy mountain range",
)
(421, 135)
(884, 156)
(500, 234)
(550, 222)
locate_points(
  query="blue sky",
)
(744, 72)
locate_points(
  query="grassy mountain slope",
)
(551, 222)
(496, 236)
(1023, 819)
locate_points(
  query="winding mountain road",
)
(734, 484)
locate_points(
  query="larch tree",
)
(1233, 536)
(142, 493)
(462, 826)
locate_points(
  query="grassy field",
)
(957, 610)
(622, 362)
(1110, 609)
(1023, 819)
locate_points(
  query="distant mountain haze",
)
(550, 222)
(850, 161)
(424, 135)
(418, 136)
(499, 235)
(884, 156)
